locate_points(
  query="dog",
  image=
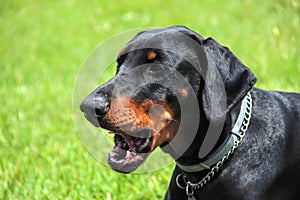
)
(172, 89)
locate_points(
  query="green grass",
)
(42, 46)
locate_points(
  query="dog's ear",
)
(226, 77)
(226, 80)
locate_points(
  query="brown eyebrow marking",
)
(151, 55)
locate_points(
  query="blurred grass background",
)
(42, 46)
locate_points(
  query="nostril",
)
(101, 109)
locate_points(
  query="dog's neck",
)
(190, 161)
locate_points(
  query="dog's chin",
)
(129, 153)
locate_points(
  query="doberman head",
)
(159, 73)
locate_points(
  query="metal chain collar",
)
(190, 187)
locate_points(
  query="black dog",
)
(256, 150)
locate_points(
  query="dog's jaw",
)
(128, 154)
(139, 129)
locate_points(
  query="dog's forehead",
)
(170, 40)
(150, 39)
(165, 39)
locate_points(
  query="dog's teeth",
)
(127, 154)
(144, 145)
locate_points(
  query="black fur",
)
(267, 163)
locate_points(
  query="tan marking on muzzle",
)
(127, 115)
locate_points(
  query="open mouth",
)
(129, 152)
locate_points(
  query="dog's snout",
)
(95, 108)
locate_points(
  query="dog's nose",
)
(95, 108)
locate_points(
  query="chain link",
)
(215, 169)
